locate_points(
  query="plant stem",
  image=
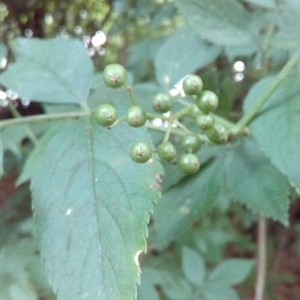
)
(168, 131)
(17, 115)
(129, 92)
(181, 113)
(182, 126)
(246, 119)
(261, 259)
(41, 118)
(177, 132)
(155, 116)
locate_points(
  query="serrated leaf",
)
(40, 74)
(223, 23)
(193, 266)
(218, 291)
(277, 126)
(251, 179)
(91, 214)
(184, 203)
(183, 53)
(231, 271)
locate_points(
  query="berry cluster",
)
(206, 102)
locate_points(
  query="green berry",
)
(114, 75)
(218, 134)
(140, 152)
(136, 116)
(105, 115)
(162, 102)
(188, 163)
(190, 143)
(192, 85)
(204, 121)
(167, 151)
(207, 101)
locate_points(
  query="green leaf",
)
(149, 279)
(214, 291)
(53, 70)
(288, 36)
(239, 172)
(12, 138)
(176, 287)
(263, 3)
(184, 203)
(193, 266)
(277, 126)
(183, 53)
(231, 271)
(3, 51)
(18, 260)
(251, 179)
(1, 157)
(91, 205)
(223, 23)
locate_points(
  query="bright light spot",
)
(25, 102)
(91, 52)
(63, 34)
(165, 124)
(136, 258)
(86, 40)
(28, 33)
(48, 19)
(69, 211)
(157, 122)
(83, 14)
(174, 125)
(101, 51)
(238, 66)
(12, 95)
(167, 79)
(2, 95)
(3, 63)
(3, 102)
(78, 30)
(174, 92)
(238, 77)
(99, 39)
(167, 114)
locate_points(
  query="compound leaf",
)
(193, 266)
(231, 271)
(215, 291)
(91, 205)
(277, 126)
(183, 53)
(251, 179)
(39, 75)
(223, 23)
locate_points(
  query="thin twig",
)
(261, 258)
